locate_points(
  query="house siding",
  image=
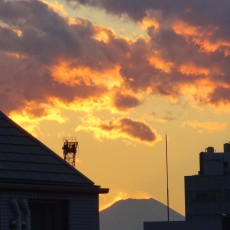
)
(82, 208)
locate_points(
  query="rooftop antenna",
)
(70, 146)
(167, 176)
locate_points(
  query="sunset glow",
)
(66, 73)
(118, 76)
(190, 69)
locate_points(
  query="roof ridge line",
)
(21, 129)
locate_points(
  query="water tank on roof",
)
(227, 147)
(210, 150)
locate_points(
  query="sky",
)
(120, 76)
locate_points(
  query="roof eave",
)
(53, 188)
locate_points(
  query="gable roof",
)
(24, 160)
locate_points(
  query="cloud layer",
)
(46, 58)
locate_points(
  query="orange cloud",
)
(200, 90)
(210, 46)
(18, 32)
(148, 22)
(33, 114)
(103, 34)
(185, 29)
(201, 36)
(66, 72)
(56, 6)
(210, 127)
(159, 63)
(191, 69)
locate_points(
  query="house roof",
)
(26, 162)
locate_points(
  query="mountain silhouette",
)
(131, 213)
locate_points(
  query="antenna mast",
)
(167, 176)
(70, 149)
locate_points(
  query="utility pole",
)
(167, 176)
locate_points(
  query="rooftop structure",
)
(70, 147)
(207, 195)
(40, 190)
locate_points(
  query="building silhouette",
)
(38, 189)
(207, 195)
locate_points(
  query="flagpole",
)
(167, 176)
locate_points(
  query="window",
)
(48, 214)
(205, 196)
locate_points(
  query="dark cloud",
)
(134, 129)
(203, 13)
(23, 81)
(34, 38)
(220, 94)
(44, 34)
(178, 50)
(124, 102)
(198, 12)
(140, 75)
(133, 8)
(137, 129)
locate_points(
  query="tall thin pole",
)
(167, 176)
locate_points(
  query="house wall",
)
(83, 211)
(84, 214)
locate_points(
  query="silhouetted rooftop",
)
(26, 162)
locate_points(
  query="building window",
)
(48, 214)
(205, 196)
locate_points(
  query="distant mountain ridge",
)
(131, 213)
